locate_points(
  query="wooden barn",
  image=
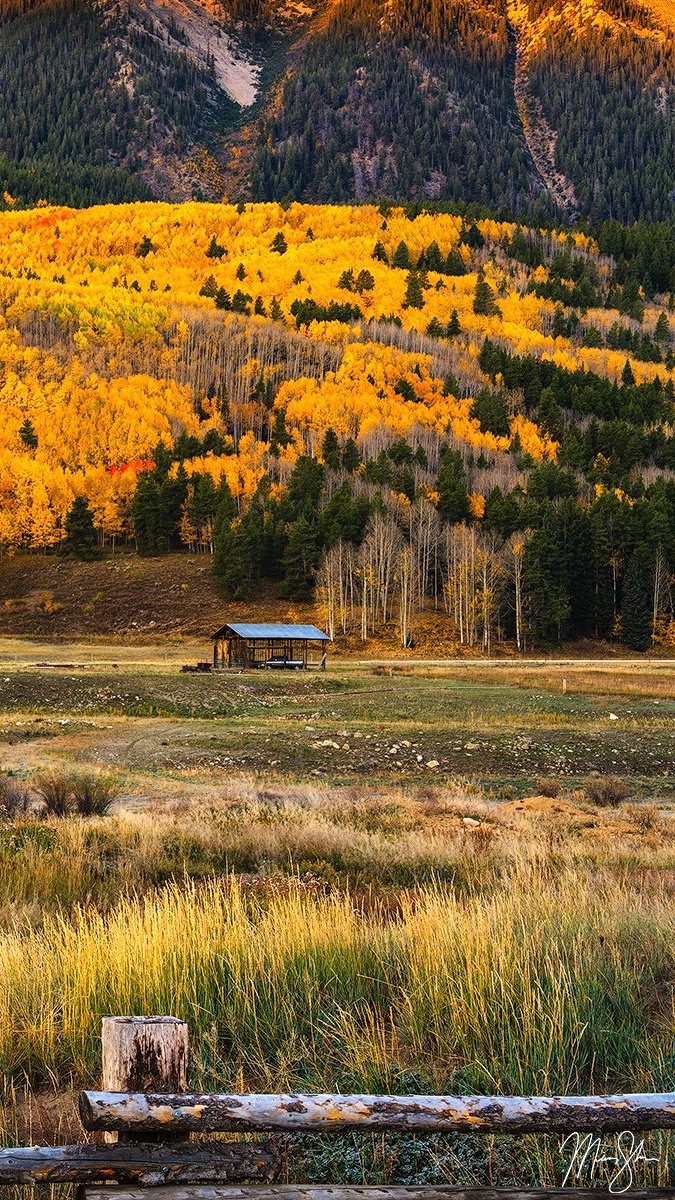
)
(294, 647)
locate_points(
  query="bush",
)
(57, 793)
(14, 798)
(646, 817)
(607, 791)
(549, 787)
(93, 796)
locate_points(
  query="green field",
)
(349, 725)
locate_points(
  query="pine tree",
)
(279, 245)
(414, 297)
(240, 302)
(330, 450)
(365, 282)
(241, 271)
(454, 264)
(351, 458)
(145, 247)
(434, 328)
(300, 560)
(635, 609)
(276, 312)
(401, 257)
(209, 287)
(280, 437)
(484, 298)
(238, 554)
(662, 331)
(223, 299)
(489, 409)
(28, 435)
(304, 486)
(80, 538)
(215, 250)
(559, 322)
(454, 327)
(380, 254)
(627, 376)
(451, 485)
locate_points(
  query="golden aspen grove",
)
(242, 342)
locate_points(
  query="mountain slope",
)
(600, 76)
(110, 101)
(549, 109)
(400, 98)
(540, 105)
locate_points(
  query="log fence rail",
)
(147, 1117)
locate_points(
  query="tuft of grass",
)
(607, 791)
(56, 793)
(15, 798)
(549, 787)
(93, 796)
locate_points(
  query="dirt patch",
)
(546, 806)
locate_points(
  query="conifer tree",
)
(635, 609)
(454, 264)
(627, 376)
(28, 435)
(454, 327)
(484, 298)
(280, 437)
(330, 450)
(215, 250)
(401, 257)
(414, 297)
(559, 322)
(300, 560)
(662, 331)
(451, 485)
(351, 459)
(80, 538)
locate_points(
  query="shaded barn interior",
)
(294, 647)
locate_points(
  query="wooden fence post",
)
(144, 1054)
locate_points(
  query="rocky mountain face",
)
(543, 108)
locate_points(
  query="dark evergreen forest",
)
(71, 132)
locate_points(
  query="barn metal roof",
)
(275, 632)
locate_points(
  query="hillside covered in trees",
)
(388, 412)
(540, 110)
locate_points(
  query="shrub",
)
(14, 798)
(646, 817)
(57, 793)
(93, 796)
(549, 787)
(607, 791)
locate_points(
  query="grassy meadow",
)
(438, 880)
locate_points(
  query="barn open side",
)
(246, 646)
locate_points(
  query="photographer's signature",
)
(594, 1157)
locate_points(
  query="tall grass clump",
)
(541, 988)
(93, 795)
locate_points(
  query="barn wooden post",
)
(144, 1054)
